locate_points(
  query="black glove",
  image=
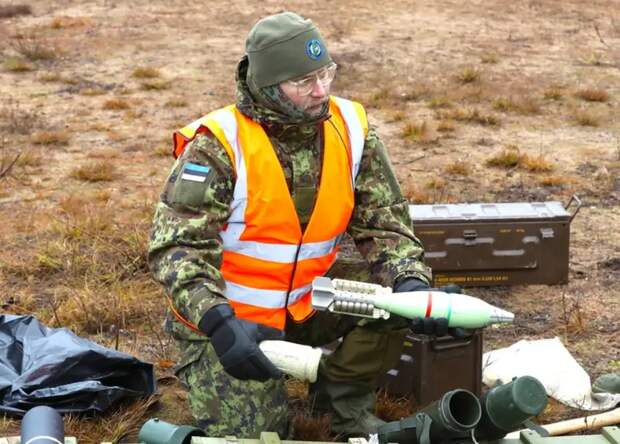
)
(236, 344)
(431, 326)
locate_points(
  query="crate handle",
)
(576, 199)
(449, 344)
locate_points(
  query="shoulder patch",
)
(195, 173)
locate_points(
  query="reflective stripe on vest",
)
(268, 263)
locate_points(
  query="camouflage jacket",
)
(185, 251)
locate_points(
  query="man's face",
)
(311, 91)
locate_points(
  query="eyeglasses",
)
(324, 75)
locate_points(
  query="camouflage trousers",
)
(223, 405)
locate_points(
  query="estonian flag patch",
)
(195, 173)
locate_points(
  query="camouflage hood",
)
(270, 107)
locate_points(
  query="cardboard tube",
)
(299, 361)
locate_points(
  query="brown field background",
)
(494, 101)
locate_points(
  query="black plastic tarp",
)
(52, 366)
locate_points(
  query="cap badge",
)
(314, 49)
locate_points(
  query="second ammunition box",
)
(429, 367)
(482, 244)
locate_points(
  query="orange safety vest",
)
(268, 263)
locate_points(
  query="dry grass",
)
(489, 58)
(163, 151)
(436, 183)
(523, 105)
(415, 131)
(415, 194)
(592, 95)
(584, 117)
(176, 103)
(60, 138)
(439, 102)
(65, 22)
(470, 115)
(553, 93)
(468, 75)
(389, 408)
(380, 98)
(92, 91)
(156, 85)
(511, 157)
(16, 119)
(34, 48)
(507, 158)
(49, 76)
(102, 171)
(536, 164)
(9, 11)
(116, 104)
(87, 255)
(459, 168)
(18, 64)
(552, 181)
(446, 126)
(29, 159)
(145, 73)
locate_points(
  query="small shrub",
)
(415, 131)
(116, 104)
(468, 75)
(15, 10)
(145, 73)
(511, 157)
(507, 158)
(34, 49)
(102, 171)
(51, 138)
(17, 64)
(592, 95)
(436, 183)
(535, 164)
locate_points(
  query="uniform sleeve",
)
(380, 225)
(185, 250)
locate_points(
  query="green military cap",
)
(282, 47)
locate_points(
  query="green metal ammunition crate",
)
(482, 244)
(427, 366)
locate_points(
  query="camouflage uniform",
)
(185, 255)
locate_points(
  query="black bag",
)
(54, 367)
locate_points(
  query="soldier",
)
(254, 209)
